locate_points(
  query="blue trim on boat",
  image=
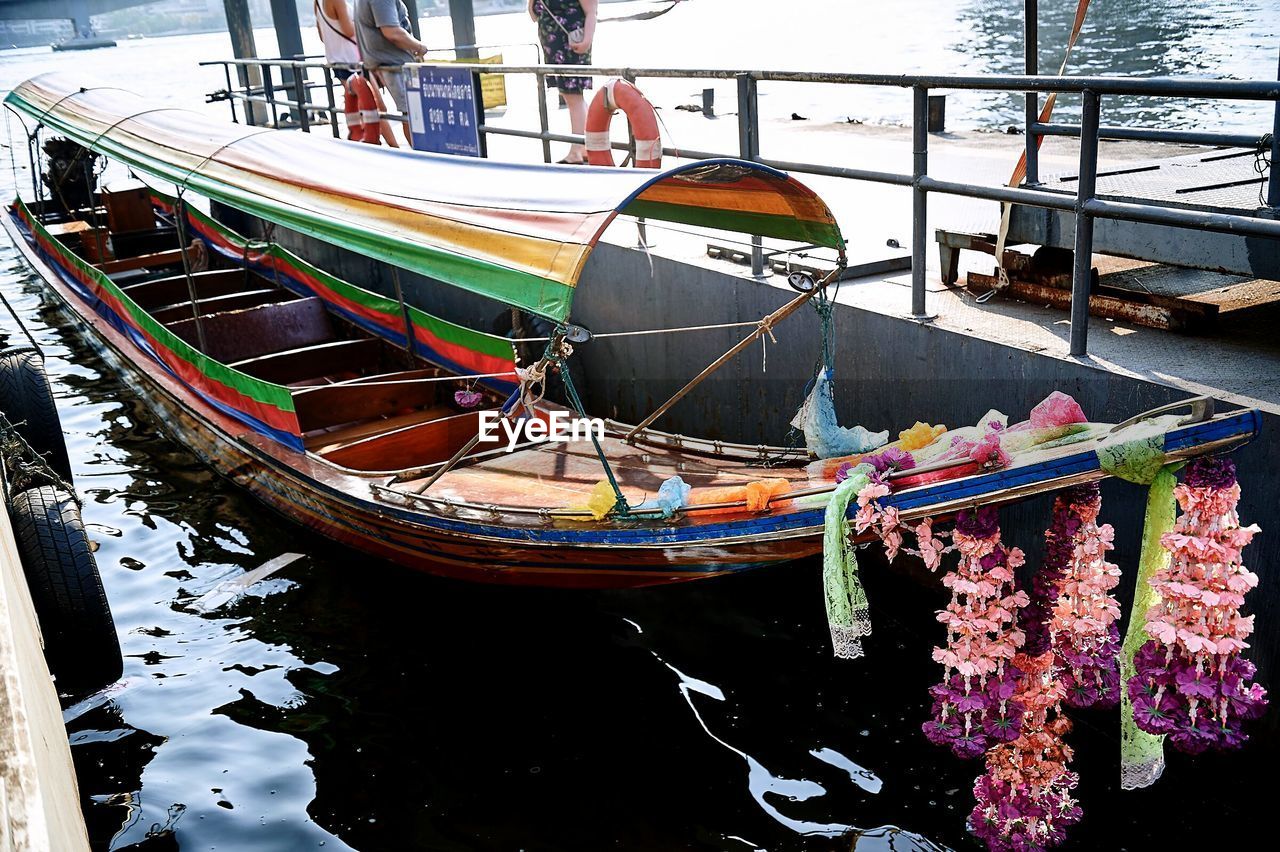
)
(1242, 424)
(103, 310)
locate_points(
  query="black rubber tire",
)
(80, 642)
(26, 399)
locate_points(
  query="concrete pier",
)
(39, 800)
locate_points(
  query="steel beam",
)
(1151, 134)
(1177, 87)
(1082, 270)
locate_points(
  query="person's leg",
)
(577, 122)
(384, 126)
(400, 96)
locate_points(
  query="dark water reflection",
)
(1233, 39)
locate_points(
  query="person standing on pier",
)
(338, 35)
(386, 44)
(566, 29)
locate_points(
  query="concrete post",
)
(288, 30)
(1082, 271)
(81, 22)
(240, 28)
(463, 16)
(1031, 53)
(289, 38)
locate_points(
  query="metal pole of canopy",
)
(765, 327)
(180, 220)
(404, 312)
(463, 16)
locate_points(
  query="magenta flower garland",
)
(974, 706)
(1190, 681)
(1024, 799)
(1084, 628)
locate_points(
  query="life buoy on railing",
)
(368, 105)
(355, 118)
(620, 95)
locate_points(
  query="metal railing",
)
(1085, 206)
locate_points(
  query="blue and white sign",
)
(445, 110)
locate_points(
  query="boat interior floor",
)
(552, 475)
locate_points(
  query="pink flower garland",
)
(1086, 636)
(974, 706)
(1190, 681)
(1024, 798)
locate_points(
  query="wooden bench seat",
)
(413, 446)
(309, 362)
(365, 398)
(238, 335)
(172, 289)
(221, 304)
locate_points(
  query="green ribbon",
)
(1140, 459)
(848, 613)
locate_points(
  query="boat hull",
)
(317, 499)
(342, 505)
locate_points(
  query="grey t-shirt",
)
(375, 50)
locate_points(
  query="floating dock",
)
(39, 799)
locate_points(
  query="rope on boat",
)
(558, 352)
(24, 467)
(423, 380)
(640, 333)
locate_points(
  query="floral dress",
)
(555, 40)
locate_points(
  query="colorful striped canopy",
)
(518, 233)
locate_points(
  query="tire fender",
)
(27, 400)
(80, 642)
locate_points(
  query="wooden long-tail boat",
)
(337, 406)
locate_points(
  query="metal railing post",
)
(269, 92)
(1082, 270)
(544, 122)
(300, 98)
(1273, 186)
(226, 69)
(333, 104)
(1031, 50)
(919, 199)
(749, 149)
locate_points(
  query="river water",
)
(349, 704)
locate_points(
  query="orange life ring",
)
(354, 117)
(368, 105)
(615, 95)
